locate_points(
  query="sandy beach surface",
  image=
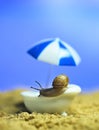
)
(83, 114)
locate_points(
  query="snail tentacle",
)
(35, 88)
(39, 84)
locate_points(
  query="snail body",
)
(51, 92)
(59, 86)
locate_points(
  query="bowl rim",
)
(71, 89)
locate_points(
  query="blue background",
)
(22, 23)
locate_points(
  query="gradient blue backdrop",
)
(22, 23)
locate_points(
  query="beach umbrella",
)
(56, 52)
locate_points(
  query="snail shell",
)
(59, 86)
(60, 81)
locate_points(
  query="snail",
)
(59, 86)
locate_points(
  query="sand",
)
(83, 114)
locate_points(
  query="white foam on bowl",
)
(30, 93)
(73, 88)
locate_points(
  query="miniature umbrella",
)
(55, 51)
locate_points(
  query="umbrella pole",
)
(49, 76)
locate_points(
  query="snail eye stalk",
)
(39, 86)
(35, 88)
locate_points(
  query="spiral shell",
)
(61, 81)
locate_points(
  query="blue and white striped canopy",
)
(55, 51)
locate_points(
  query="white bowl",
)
(57, 104)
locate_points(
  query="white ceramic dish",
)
(57, 104)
